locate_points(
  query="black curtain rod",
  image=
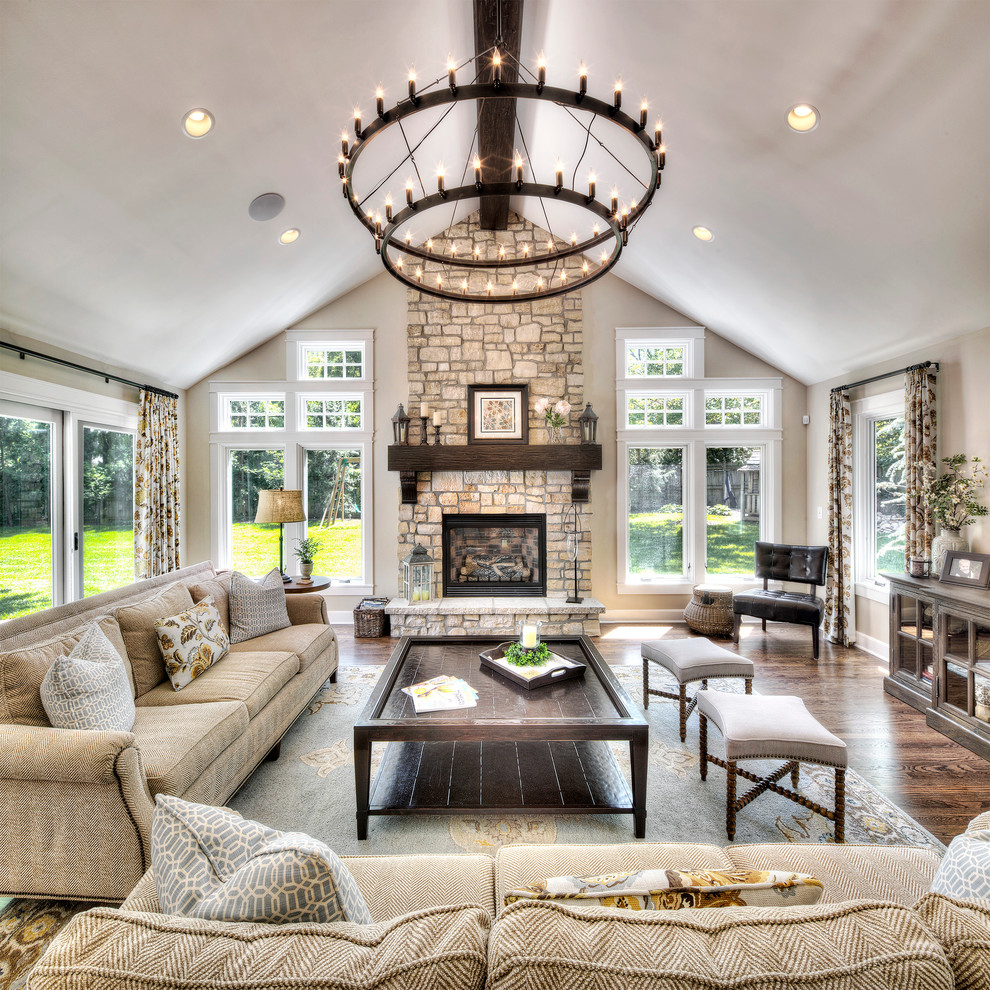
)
(888, 374)
(106, 376)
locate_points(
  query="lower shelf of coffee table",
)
(437, 778)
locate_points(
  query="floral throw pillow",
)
(191, 642)
(670, 890)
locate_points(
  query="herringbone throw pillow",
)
(212, 864)
(89, 689)
(256, 607)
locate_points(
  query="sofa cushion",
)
(256, 607)
(675, 890)
(178, 742)
(22, 671)
(137, 626)
(307, 642)
(965, 870)
(890, 873)
(442, 947)
(253, 678)
(963, 929)
(89, 689)
(210, 863)
(191, 642)
(218, 589)
(859, 945)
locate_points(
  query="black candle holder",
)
(424, 437)
(436, 434)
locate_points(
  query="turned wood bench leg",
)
(703, 745)
(730, 799)
(840, 804)
(646, 683)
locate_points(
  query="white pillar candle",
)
(436, 418)
(424, 410)
(528, 639)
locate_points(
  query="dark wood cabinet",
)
(940, 656)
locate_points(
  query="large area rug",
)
(310, 788)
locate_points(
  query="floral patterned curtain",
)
(919, 455)
(840, 598)
(156, 486)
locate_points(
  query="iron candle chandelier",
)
(562, 264)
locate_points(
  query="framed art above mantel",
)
(498, 414)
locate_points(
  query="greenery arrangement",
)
(307, 549)
(951, 496)
(519, 656)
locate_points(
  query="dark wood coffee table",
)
(536, 751)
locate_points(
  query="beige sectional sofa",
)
(439, 923)
(76, 806)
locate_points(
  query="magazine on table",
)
(440, 694)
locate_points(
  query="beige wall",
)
(380, 304)
(963, 427)
(45, 371)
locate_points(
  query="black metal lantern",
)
(589, 425)
(400, 426)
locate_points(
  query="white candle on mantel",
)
(528, 638)
(436, 418)
(424, 411)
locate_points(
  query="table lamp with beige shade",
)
(280, 505)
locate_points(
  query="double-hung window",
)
(312, 432)
(879, 499)
(698, 462)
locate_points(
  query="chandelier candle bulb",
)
(412, 85)
(409, 191)
(380, 102)
(618, 94)
(559, 177)
(477, 171)
(477, 252)
(378, 244)
(591, 187)
(489, 288)
(408, 236)
(615, 201)
(519, 175)
(541, 72)
(573, 240)
(341, 163)
(419, 274)
(501, 252)
(452, 75)
(582, 80)
(497, 69)
(658, 133)
(525, 250)
(539, 284)
(343, 143)
(661, 156)
(644, 109)
(378, 226)
(464, 286)
(584, 267)
(440, 186)
(515, 287)
(357, 122)
(388, 207)
(429, 245)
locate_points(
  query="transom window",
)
(654, 410)
(337, 413)
(342, 362)
(733, 410)
(255, 413)
(652, 361)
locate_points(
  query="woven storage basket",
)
(371, 622)
(710, 610)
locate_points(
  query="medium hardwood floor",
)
(935, 780)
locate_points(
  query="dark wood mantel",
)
(578, 458)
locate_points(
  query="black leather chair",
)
(781, 562)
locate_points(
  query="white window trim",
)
(687, 407)
(766, 406)
(295, 439)
(865, 413)
(692, 339)
(305, 397)
(242, 396)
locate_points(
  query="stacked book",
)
(442, 694)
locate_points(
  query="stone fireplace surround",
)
(450, 346)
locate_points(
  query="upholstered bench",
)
(760, 727)
(691, 660)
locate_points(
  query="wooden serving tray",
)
(495, 660)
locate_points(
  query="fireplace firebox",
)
(494, 555)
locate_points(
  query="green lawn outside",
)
(655, 544)
(255, 549)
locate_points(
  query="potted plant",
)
(306, 550)
(951, 499)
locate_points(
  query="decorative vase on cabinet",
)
(948, 539)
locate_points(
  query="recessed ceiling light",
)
(288, 236)
(197, 123)
(803, 117)
(703, 234)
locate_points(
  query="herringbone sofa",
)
(76, 806)
(439, 924)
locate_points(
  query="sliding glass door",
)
(30, 473)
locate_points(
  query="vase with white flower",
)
(555, 415)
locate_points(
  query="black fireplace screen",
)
(494, 555)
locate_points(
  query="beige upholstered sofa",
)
(439, 923)
(76, 806)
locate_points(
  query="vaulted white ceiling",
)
(123, 239)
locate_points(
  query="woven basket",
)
(710, 610)
(371, 619)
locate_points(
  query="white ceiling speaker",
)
(267, 206)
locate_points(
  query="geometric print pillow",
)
(211, 864)
(256, 607)
(671, 890)
(89, 688)
(191, 642)
(964, 872)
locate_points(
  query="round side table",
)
(710, 610)
(318, 584)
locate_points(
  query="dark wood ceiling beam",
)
(497, 118)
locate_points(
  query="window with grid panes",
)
(655, 410)
(646, 361)
(343, 413)
(256, 414)
(334, 363)
(733, 410)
